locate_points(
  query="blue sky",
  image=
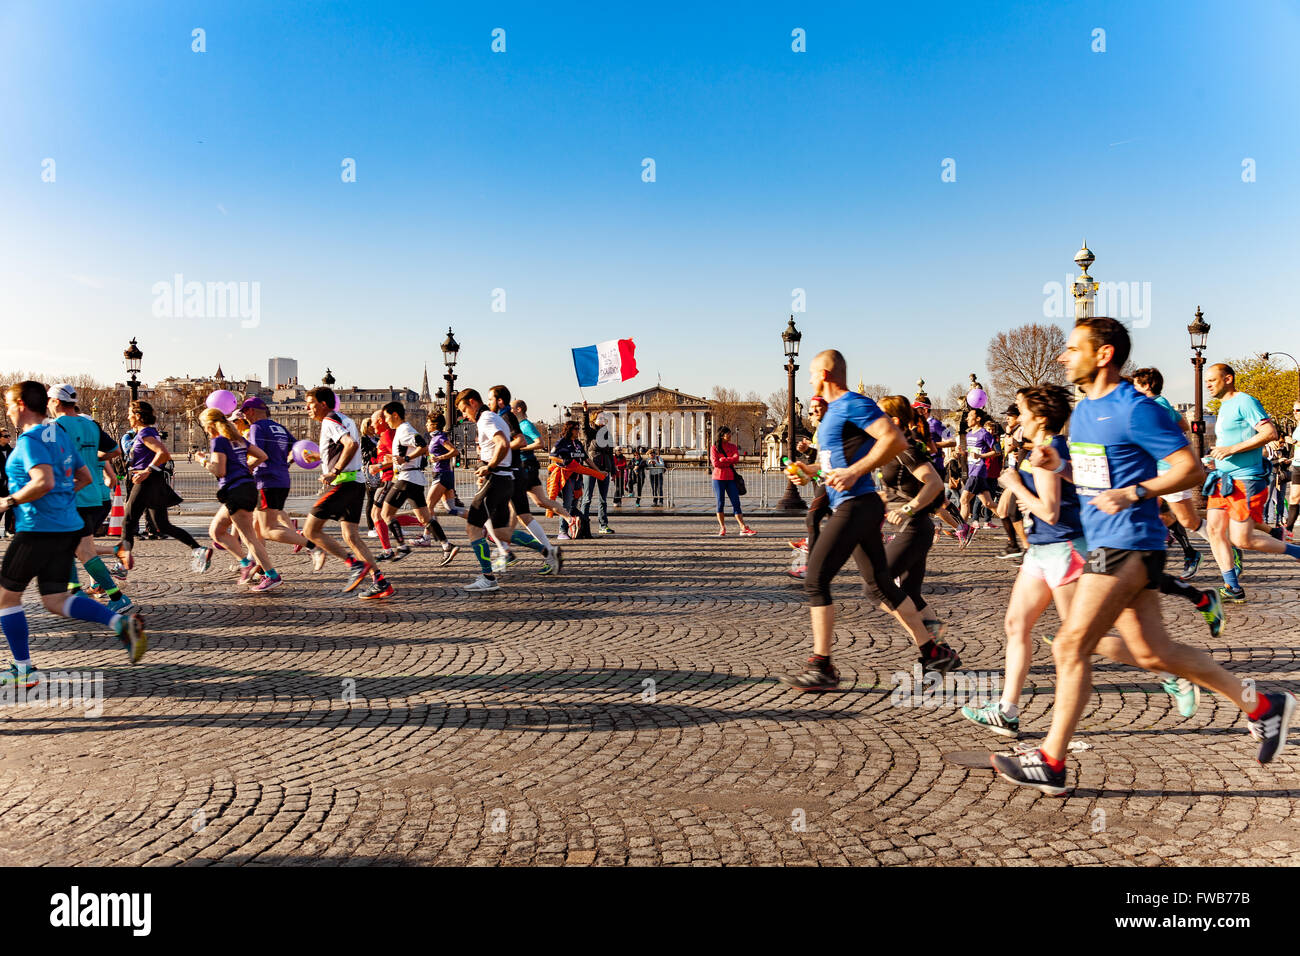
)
(522, 171)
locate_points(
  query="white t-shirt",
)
(333, 430)
(405, 440)
(488, 425)
(1295, 448)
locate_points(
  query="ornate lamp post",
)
(133, 355)
(450, 350)
(790, 338)
(1297, 365)
(1199, 330)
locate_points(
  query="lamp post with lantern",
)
(133, 355)
(1199, 331)
(790, 338)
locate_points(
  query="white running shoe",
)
(200, 560)
(481, 583)
(372, 533)
(318, 558)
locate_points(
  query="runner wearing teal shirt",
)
(1238, 487)
(85, 436)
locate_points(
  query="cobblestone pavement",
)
(520, 728)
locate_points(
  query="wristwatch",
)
(908, 510)
(1141, 492)
(8, 502)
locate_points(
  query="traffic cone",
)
(117, 513)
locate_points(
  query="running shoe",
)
(1029, 769)
(965, 535)
(800, 572)
(201, 560)
(122, 605)
(1214, 613)
(358, 574)
(941, 658)
(563, 536)
(990, 717)
(246, 572)
(1238, 562)
(748, 532)
(125, 559)
(814, 676)
(372, 533)
(800, 545)
(1232, 595)
(722, 533)
(118, 570)
(318, 558)
(551, 562)
(1191, 565)
(1271, 729)
(268, 581)
(481, 583)
(423, 541)
(1186, 694)
(606, 529)
(1010, 551)
(26, 677)
(133, 637)
(401, 551)
(376, 590)
(385, 555)
(448, 555)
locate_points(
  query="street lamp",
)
(133, 355)
(1199, 330)
(790, 338)
(1297, 366)
(450, 350)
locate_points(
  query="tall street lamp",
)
(790, 338)
(133, 355)
(450, 350)
(1199, 330)
(1297, 366)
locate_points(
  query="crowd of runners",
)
(1088, 484)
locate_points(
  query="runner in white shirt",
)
(409, 481)
(1293, 493)
(344, 497)
(491, 505)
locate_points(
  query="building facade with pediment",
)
(676, 422)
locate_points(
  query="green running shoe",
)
(1186, 694)
(990, 717)
(1214, 613)
(1232, 595)
(1238, 564)
(26, 677)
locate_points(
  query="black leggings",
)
(852, 529)
(817, 511)
(136, 507)
(907, 552)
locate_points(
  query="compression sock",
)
(1293, 551)
(483, 551)
(395, 527)
(1180, 535)
(99, 574)
(382, 528)
(436, 531)
(82, 608)
(535, 529)
(526, 540)
(1230, 579)
(14, 624)
(1171, 585)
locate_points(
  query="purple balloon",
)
(223, 401)
(306, 453)
(977, 398)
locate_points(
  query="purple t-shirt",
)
(236, 462)
(978, 440)
(141, 455)
(438, 446)
(274, 439)
(936, 432)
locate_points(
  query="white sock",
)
(535, 529)
(1008, 710)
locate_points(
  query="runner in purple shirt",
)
(980, 447)
(272, 476)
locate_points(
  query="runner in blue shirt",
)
(45, 473)
(1238, 487)
(1116, 437)
(854, 439)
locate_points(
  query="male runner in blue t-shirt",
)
(854, 439)
(1235, 504)
(1116, 437)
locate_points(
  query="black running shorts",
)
(47, 556)
(381, 493)
(447, 479)
(272, 499)
(240, 497)
(1108, 560)
(404, 491)
(92, 518)
(492, 502)
(341, 503)
(519, 496)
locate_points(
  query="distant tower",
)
(862, 389)
(329, 379)
(1084, 287)
(425, 397)
(220, 376)
(920, 392)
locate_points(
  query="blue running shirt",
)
(1115, 442)
(844, 440)
(56, 510)
(1068, 525)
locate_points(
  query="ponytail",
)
(214, 416)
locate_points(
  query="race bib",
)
(1091, 469)
(824, 460)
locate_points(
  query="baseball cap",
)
(253, 402)
(1012, 409)
(920, 404)
(63, 392)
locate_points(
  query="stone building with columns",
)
(676, 422)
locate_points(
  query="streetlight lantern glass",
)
(1199, 330)
(133, 355)
(449, 349)
(790, 338)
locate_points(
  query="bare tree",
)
(777, 406)
(876, 392)
(1022, 357)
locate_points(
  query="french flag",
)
(612, 361)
